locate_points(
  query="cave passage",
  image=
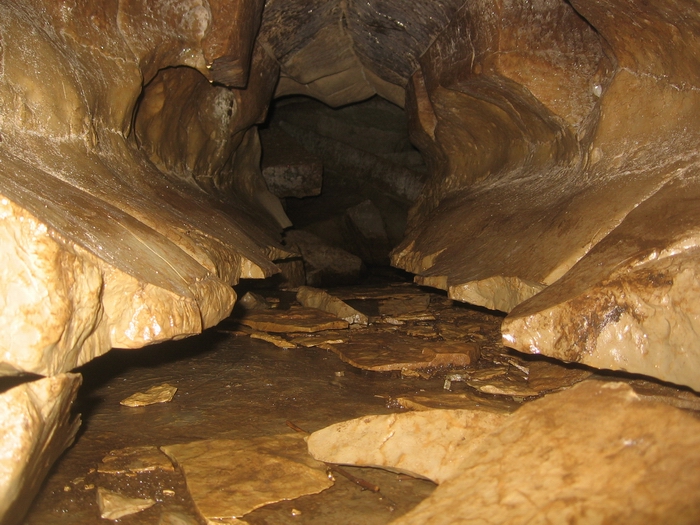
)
(347, 176)
(529, 170)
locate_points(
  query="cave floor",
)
(232, 386)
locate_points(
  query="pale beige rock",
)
(135, 460)
(113, 505)
(580, 455)
(229, 478)
(316, 298)
(35, 428)
(430, 444)
(296, 319)
(627, 305)
(495, 293)
(156, 394)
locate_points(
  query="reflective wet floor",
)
(233, 386)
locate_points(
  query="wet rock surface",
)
(238, 394)
(560, 186)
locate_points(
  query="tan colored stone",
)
(296, 319)
(613, 309)
(156, 394)
(544, 376)
(229, 478)
(315, 298)
(36, 427)
(324, 338)
(430, 444)
(577, 455)
(113, 505)
(381, 352)
(135, 459)
(274, 339)
(467, 400)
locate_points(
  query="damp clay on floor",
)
(381, 403)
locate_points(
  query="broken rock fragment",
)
(135, 460)
(382, 351)
(156, 394)
(229, 478)
(296, 319)
(114, 506)
(315, 298)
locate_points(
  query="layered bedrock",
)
(561, 139)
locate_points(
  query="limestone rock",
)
(156, 394)
(614, 308)
(229, 478)
(292, 273)
(587, 449)
(459, 401)
(36, 428)
(296, 319)
(134, 459)
(274, 339)
(430, 444)
(114, 506)
(315, 298)
(382, 351)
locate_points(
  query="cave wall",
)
(560, 139)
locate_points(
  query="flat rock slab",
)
(135, 460)
(296, 319)
(229, 478)
(430, 444)
(595, 453)
(382, 351)
(467, 400)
